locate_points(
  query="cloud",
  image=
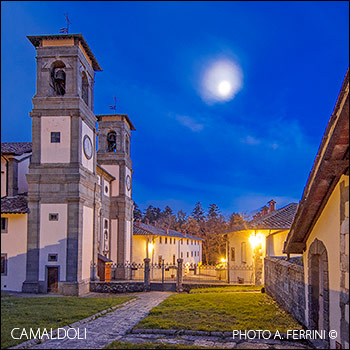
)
(250, 140)
(189, 123)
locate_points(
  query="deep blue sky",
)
(238, 154)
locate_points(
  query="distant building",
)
(164, 245)
(249, 243)
(320, 230)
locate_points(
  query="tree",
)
(198, 212)
(180, 221)
(137, 212)
(167, 219)
(152, 214)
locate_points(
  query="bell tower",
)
(114, 135)
(62, 174)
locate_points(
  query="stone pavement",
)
(103, 330)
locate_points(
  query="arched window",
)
(112, 141)
(58, 78)
(85, 88)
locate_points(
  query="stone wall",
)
(116, 287)
(284, 281)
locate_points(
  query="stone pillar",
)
(258, 266)
(179, 275)
(147, 281)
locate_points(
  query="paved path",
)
(103, 330)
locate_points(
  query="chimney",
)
(272, 206)
(264, 210)
(138, 222)
(147, 221)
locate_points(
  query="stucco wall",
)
(55, 152)
(327, 230)
(23, 168)
(114, 171)
(3, 177)
(114, 239)
(14, 244)
(87, 242)
(53, 239)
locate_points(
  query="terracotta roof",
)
(280, 219)
(146, 230)
(16, 148)
(14, 205)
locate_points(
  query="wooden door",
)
(52, 279)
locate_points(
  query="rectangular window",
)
(3, 264)
(187, 242)
(106, 224)
(166, 240)
(160, 240)
(4, 222)
(243, 253)
(53, 217)
(188, 254)
(192, 254)
(173, 259)
(169, 240)
(52, 257)
(191, 242)
(174, 241)
(55, 137)
(182, 255)
(160, 260)
(182, 241)
(233, 254)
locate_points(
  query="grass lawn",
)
(48, 312)
(148, 345)
(226, 289)
(219, 312)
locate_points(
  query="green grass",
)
(219, 312)
(149, 345)
(226, 289)
(48, 312)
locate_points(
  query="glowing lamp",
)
(223, 260)
(256, 240)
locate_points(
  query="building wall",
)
(87, 241)
(3, 177)
(23, 168)
(114, 171)
(53, 239)
(55, 152)
(328, 230)
(166, 250)
(14, 244)
(87, 163)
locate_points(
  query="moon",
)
(224, 88)
(222, 80)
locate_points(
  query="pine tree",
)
(137, 212)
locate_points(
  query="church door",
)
(52, 279)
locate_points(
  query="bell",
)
(60, 75)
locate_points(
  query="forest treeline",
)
(207, 224)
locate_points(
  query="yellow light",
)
(223, 260)
(256, 240)
(150, 247)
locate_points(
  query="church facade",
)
(78, 201)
